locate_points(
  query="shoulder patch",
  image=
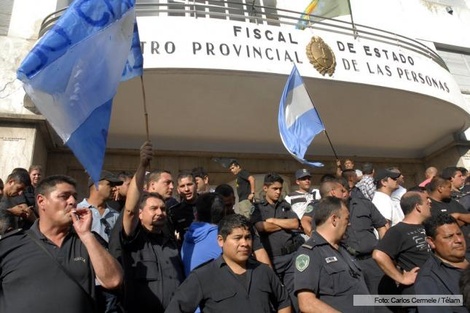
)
(309, 208)
(301, 262)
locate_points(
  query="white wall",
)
(420, 19)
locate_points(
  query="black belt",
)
(361, 257)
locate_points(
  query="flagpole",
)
(331, 145)
(146, 115)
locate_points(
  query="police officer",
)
(233, 282)
(278, 226)
(326, 277)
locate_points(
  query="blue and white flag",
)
(74, 70)
(298, 119)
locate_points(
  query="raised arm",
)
(131, 208)
(106, 267)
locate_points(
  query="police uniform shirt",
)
(214, 287)
(330, 274)
(273, 242)
(31, 281)
(364, 218)
(152, 270)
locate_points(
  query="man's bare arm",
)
(309, 303)
(131, 208)
(306, 223)
(285, 223)
(388, 266)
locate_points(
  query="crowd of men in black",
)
(130, 246)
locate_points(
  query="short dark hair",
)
(199, 172)
(233, 162)
(463, 170)
(327, 177)
(210, 208)
(348, 173)
(436, 182)
(432, 223)
(155, 175)
(230, 222)
(123, 175)
(409, 201)
(148, 195)
(20, 175)
(49, 183)
(449, 172)
(184, 174)
(225, 190)
(327, 207)
(327, 186)
(272, 178)
(367, 168)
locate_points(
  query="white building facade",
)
(390, 79)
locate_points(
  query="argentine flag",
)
(298, 119)
(74, 70)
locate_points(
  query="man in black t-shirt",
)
(404, 249)
(245, 188)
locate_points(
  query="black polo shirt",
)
(273, 242)
(32, 281)
(364, 217)
(152, 270)
(214, 287)
(330, 274)
(243, 185)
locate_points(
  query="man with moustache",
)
(52, 267)
(152, 265)
(441, 273)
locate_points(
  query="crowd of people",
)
(131, 246)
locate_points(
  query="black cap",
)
(106, 175)
(302, 173)
(384, 173)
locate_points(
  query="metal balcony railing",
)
(255, 12)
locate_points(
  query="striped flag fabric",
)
(74, 70)
(298, 119)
